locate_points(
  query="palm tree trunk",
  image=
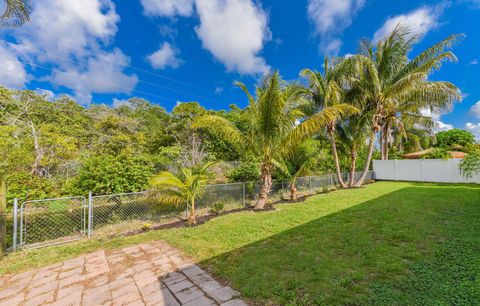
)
(354, 166)
(371, 146)
(382, 156)
(293, 191)
(386, 141)
(266, 170)
(331, 131)
(192, 218)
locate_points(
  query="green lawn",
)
(387, 243)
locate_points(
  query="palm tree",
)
(299, 163)
(273, 125)
(184, 189)
(16, 13)
(326, 90)
(386, 79)
(352, 135)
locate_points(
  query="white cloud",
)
(474, 62)
(419, 22)
(474, 129)
(435, 115)
(331, 18)
(12, 73)
(101, 74)
(234, 31)
(167, 8)
(475, 110)
(48, 94)
(120, 102)
(166, 56)
(69, 37)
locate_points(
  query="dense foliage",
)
(57, 148)
(455, 139)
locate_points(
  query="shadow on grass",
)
(417, 245)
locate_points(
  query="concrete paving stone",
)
(22, 277)
(145, 278)
(236, 302)
(97, 296)
(7, 292)
(69, 273)
(122, 282)
(180, 286)
(68, 291)
(76, 278)
(168, 298)
(189, 294)
(146, 274)
(153, 287)
(73, 264)
(51, 268)
(140, 267)
(192, 270)
(13, 300)
(98, 281)
(206, 282)
(73, 299)
(125, 273)
(173, 277)
(201, 301)
(127, 298)
(42, 281)
(40, 299)
(223, 294)
(46, 288)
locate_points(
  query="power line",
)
(135, 68)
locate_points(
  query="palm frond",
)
(16, 13)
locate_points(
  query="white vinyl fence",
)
(421, 170)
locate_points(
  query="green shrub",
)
(247, 171)
(217, 208)
(113, 174)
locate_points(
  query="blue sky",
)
(102, 51)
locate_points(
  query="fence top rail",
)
(121, 194)
(54, 199)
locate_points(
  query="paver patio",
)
(145, 274)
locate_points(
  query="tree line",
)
(330, 120)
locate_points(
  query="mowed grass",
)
(390, 243)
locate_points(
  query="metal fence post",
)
(244, 195)
(15, 225)
(90, 213)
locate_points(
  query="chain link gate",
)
(52, 221)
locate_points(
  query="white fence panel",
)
(421, 170)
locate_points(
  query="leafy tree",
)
(455, 139)
(113, 174)
(184, 189)
(272, 125)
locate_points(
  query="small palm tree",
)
(182, 190)
(273, 124)
(16, 13)
(300, 163)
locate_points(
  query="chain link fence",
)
(52, 221)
